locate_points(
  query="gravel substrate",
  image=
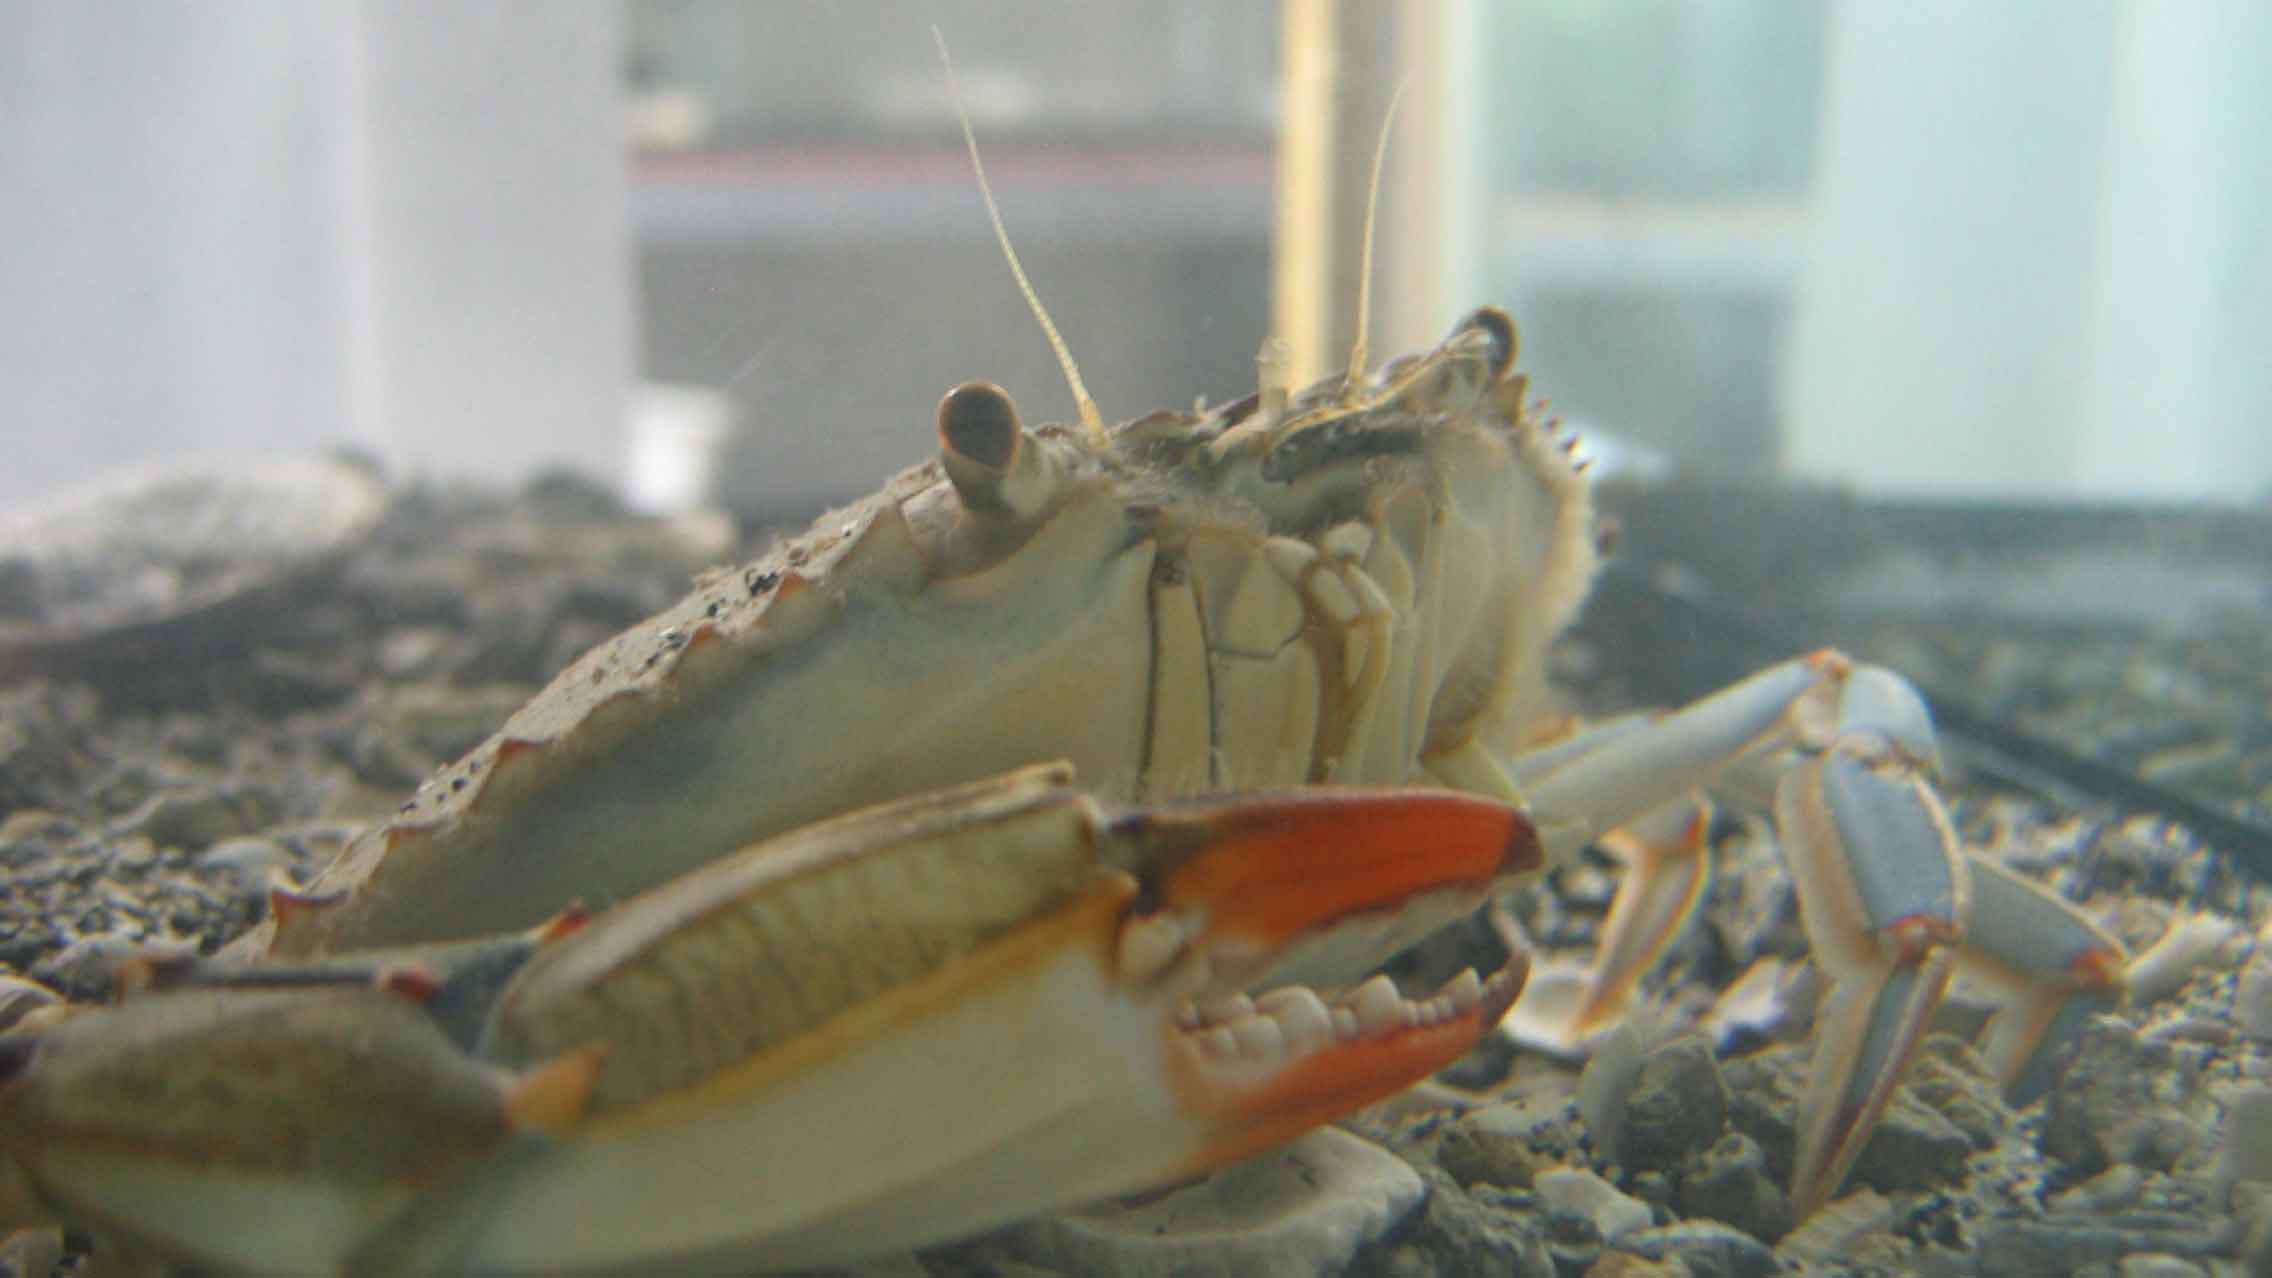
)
(150, 807)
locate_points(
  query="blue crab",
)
(869, 969)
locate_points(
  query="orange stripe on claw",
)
(1276, 865)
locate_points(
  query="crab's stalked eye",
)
(978, 423)
(1500, 328)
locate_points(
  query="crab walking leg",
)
(1882, 890)
(880, 1033)
(2053, 966)
(1884, 897)
(1630, 784)
(1634, 769)
(1668, 864)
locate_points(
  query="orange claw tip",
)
(552, 1097)
(1249, 1114)
(1271, 866)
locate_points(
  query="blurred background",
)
(2013, 252)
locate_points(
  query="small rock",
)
(1949, 1077)
(2154, 1265)
(1677, 1107)
(35, 826)
(2028, 1248)
(2120, 1102)
(2111, 1190)
(1543, 1119)
(411, 651)
(1656, 1189)
(1614, 1214)
(1453, 1234)
(1607, 1080)
(2252, 998)
(1305, 1209)
(200, 818)
(1730, 1182)
(2253, 1203)
(81, 971)
(1709, 1249)
(2190, 942)
(2246, 1133)
(250, 860)
(1835, 1232)
(19, 998)
(1476, 1150)
(1769, 998)
(1914, 1147)
(1624, 1264)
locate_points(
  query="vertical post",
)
(486, 231)
(2038, 265)
(2179, 391)
(1434, 215)
(1302, 245)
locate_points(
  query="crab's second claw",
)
(1884, 897)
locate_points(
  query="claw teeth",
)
(1225, 1010)
(1259, 1038)
(1303, 1021)
(1464, 992)
(1379, 1008)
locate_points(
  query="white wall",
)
(2039, 261)
(251, 226)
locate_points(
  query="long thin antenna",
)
(1357, 352)
(1091, 421)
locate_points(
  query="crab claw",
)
(1257, 890)
(940, 1015)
